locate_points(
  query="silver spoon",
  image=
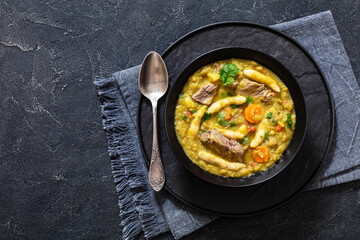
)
(153, 83)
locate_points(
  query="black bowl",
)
(273, 65)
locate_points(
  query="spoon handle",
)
(156, 171)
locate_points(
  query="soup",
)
(234, 118)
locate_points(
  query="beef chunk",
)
(205, 95)
(251, 88)
(220, 144)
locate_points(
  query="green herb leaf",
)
(225, 123)
(227, 73)
(231, 69)
(203, 130)
(232, 124)
(267, 136)
(235, 106)
(245, 140)
(248, 100)
(221, 121)
(269, 115)
(229, 80)
(206, 116)
(181, 95)
(183, 117)
(192, 111)
(289, 121)
(274, 122)
(220, 116)
(223, 95)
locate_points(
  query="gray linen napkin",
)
(144, 213)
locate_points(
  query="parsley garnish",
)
(235, 106)
(248, 100)
(267, 136)
(220, 120)
(203, 130)
(220, 116)
(183, 117)
(269, 115)
(245, 140)
(274, 122)
(232, 124)
(206, 116)
(227, 73)
(223, 95)
(289, 121)
(192, 111)
(181, 95)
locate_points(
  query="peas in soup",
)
(234, 118)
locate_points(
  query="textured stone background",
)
(55, 176)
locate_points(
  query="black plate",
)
(265, 60)
(254, 199)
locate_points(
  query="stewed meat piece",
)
(216, 141)
(251, 88)
(206, 94)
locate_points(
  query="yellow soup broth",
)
(262, 122)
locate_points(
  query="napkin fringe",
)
(116, 124)
(130, 223)
(149, 217)
(131, 226)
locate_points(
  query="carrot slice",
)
(278, 128)
(228, 114)
(253, 113)
(260, 154)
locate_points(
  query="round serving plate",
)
(241, 201)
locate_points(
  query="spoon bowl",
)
(153, 77)
(153, 83)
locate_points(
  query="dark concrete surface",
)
(55, 176)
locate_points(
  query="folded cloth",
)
(319, 35)
(146, 214)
